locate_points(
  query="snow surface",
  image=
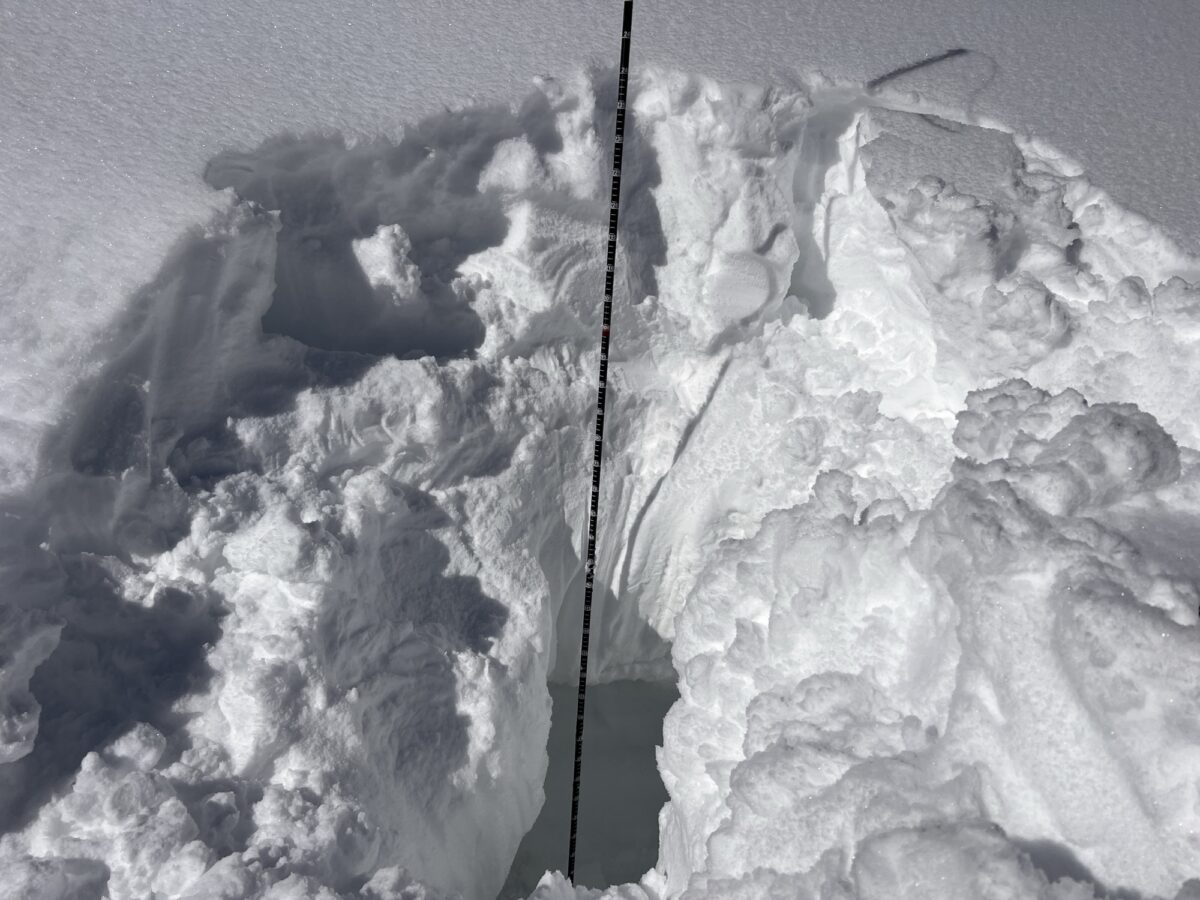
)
(903, 472)
(109, 111)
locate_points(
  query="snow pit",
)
(622, 793)
(902, 491)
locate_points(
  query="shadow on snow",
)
(243, 316)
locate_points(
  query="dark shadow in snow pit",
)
(247, 313)
(1057, 861)
(621, 793)
(817, 136)
(187, 357)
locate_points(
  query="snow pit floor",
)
(902, 490)
(622, 793)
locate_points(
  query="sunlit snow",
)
(901, 493)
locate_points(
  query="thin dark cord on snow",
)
(590, 571)
(912, 67)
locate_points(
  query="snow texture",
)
(902, 482)
(111, 109)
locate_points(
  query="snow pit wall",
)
(367, 557)
(622, 792)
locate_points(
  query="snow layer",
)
(901, 414)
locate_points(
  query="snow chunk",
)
(124, 814)
(996, 418)
(1101, 455)
(26, 639)
(514, 167)
(384, 258)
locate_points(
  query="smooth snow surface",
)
(902, 485)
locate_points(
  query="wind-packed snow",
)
(902, 482)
